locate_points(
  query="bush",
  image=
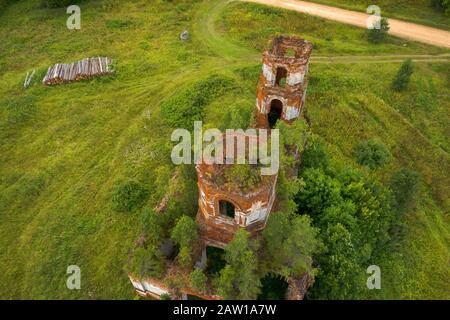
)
(242, 176)
(239, 279)
(371, 154)
(129, 196)
(147, 262)
(315, 155)
(403, 76)
(405, 185)
(443, 5)
(152, 226)
(198, 280)
(318, 192)
(188, 106)
(378, 35)
(185, 234)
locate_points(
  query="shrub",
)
(147, 262)
(152, 226)
(237, 117)
(198, 280)
(182, 110)
(242, 176)
(371, 154)
(403, 76)
(239, 279)
(318, 192)
(315, 155)
(378, 35)
(443, 5)
(165, 296)
(290, 243)
(129, 196)
(185, 234)
(405, 185)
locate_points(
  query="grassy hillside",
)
(419, 11)
(64, 149)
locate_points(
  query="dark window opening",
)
(215, 260)
(276, 109)
(226, 208)
(281, 76)
(273, 288)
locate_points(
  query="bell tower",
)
(281, 89)
(281, 93)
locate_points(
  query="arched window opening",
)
(281, 76)
(226, 208)
(276, 110)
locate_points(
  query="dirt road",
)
(399, 28)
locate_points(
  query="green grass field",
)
(63, 149)
(418, 11)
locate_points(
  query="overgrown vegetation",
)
(129, 196)
(239, 278)
(188, 106)
(185, 235)
(403, 76)
(244, 177)
(60, 165)
(372, 154)
(378, 35)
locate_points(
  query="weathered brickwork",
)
(247, 210)
(281, 89)
(282, 81)
(281, 93)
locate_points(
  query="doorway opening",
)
(276, 110)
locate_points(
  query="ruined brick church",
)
(281, 93)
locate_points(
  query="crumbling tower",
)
(281, 93)
(281, 89)
(222, 210)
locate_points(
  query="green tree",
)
(290, 243)
(152, 226)
(378, 35)
(239, 279)
(147, 262)
(403, 76)
(184, 234)
(198, 280)
(318, 192)
(340, 276)
(372, 154)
